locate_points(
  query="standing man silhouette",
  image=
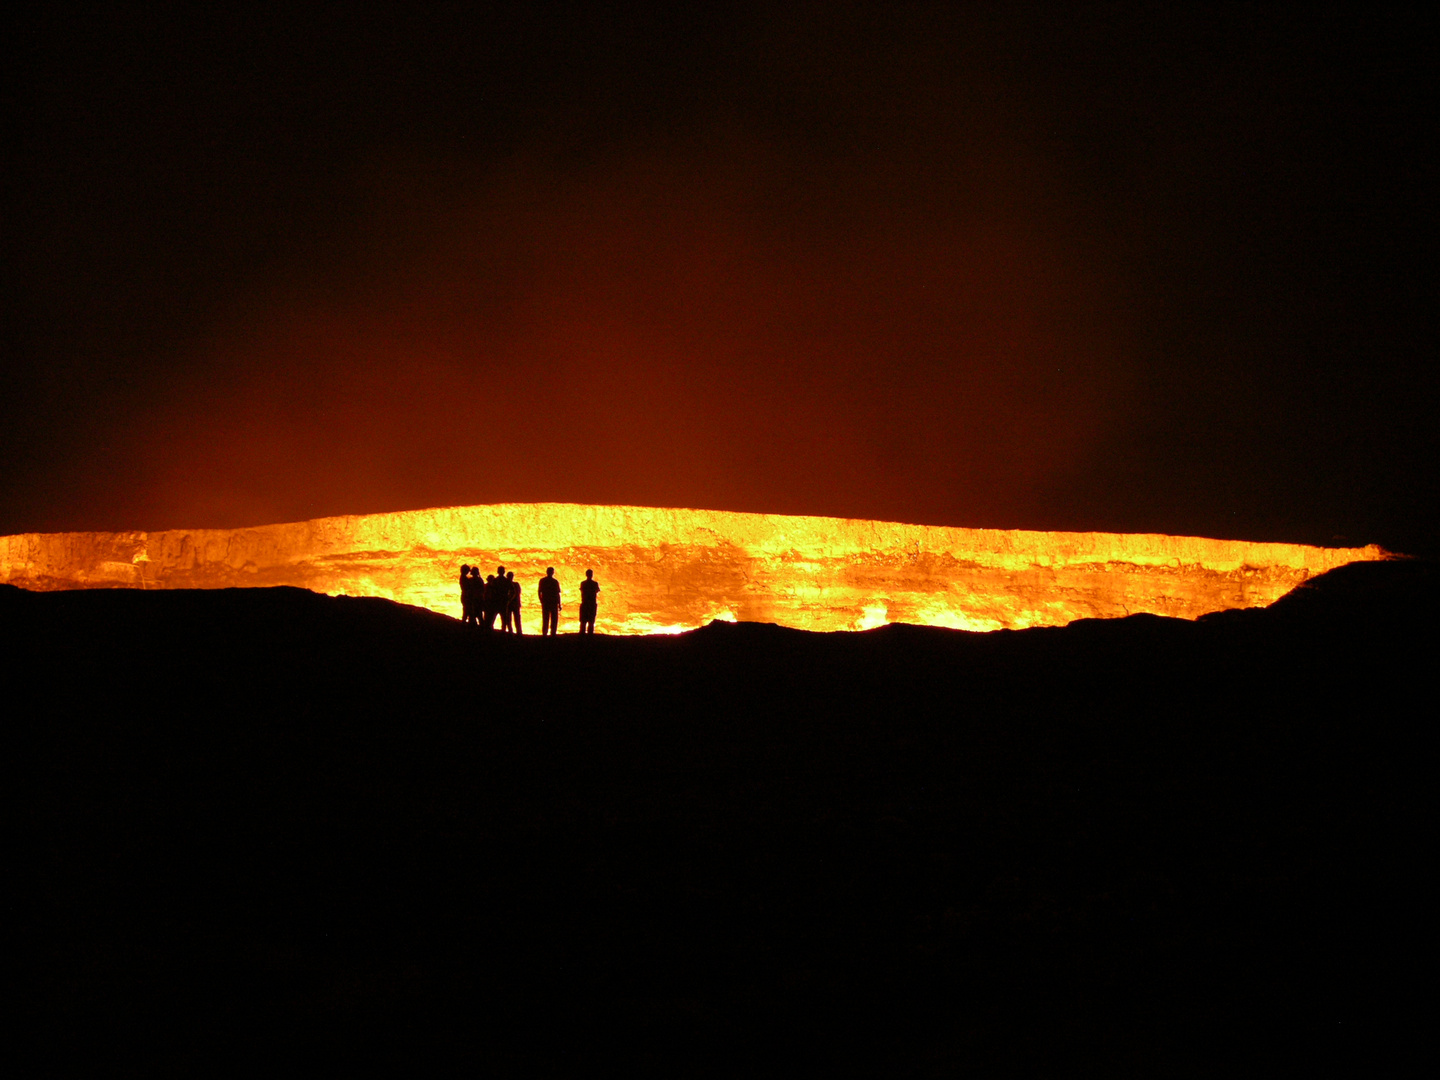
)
(467, 596)
(589, 591)
(496, 595)
(490, 606)
(549, 603)
(512, 600)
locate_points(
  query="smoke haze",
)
(1136, 272)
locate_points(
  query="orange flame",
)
(664, 571)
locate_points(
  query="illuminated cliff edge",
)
(670, 570)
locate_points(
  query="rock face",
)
(669, 570)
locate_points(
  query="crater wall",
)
(675, 569)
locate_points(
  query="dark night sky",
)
(1119, 268)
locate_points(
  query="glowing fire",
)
(664, 571)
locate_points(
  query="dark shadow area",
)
(262, 825)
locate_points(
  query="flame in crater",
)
(664, 571)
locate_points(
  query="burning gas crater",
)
(665, 571)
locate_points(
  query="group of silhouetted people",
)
(481, 602)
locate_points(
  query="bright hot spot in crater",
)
(667, 570)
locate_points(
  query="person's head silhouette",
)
(510, 576)
(464, 569)
(500, 571)
(549, 571)
(589, 574)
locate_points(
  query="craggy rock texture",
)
(669, 570)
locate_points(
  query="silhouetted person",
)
(489, 604)
(497, 597)
(589, 592)
(513, 601)
(467, 596)
(549, 603)
(470, 596)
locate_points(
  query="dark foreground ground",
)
(267, 828)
